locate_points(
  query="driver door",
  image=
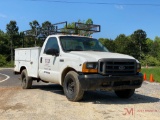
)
(49, 64)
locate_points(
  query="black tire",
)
(72, 87)
(126, 93)
(26, 82)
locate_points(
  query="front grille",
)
(117, 66)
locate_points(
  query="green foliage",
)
(122, 44)
(150, 61)
(46, 24)
(9, 64)
(89, 21)
(12, 28)
(4, 43)
(136, 45)
(34, 24)
(108, 43)
(155, 47)
(138, 42)
(2, 60)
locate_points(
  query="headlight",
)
(138, 67)
(90, 67)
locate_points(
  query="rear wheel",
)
(72, 87)
(26, 81)
(126, 93)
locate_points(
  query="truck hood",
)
(95, 56)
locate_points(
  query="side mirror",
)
(52, 52)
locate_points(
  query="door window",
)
(51, 44)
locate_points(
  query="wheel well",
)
(22, 68)
(65, 72)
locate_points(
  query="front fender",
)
(67, 66)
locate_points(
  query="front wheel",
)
(126, 93)
(26, 81)
(72, 87)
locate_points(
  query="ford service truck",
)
(78, 64)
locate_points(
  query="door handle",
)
(41, 60)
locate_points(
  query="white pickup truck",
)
(78, 64)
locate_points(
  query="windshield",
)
(72, 43)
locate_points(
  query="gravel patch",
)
(48, 102)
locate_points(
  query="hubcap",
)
(70, 86)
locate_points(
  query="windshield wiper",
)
(69, 50)
(94, 50)
(73, 50)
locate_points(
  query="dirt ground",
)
(48, 102)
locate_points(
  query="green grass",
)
(155, 71)
(7, 65)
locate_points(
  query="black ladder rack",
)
(62, 28)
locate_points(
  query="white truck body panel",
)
(50, 68)
(29, 58)
(91, 56)
(49, 65)
(78, 64)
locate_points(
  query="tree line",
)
(137, 44)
